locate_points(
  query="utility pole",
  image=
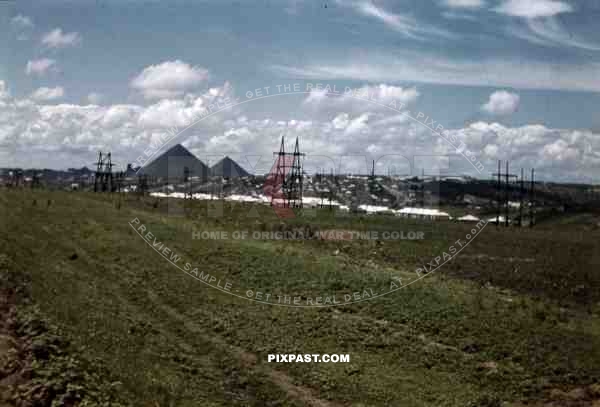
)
(532, 200)
(108, 184)
(507, 178)
(99, 170)
(498, 189)
(142, 187)
(331, 190)
(187, 183)
(521, 198)
(506, 196)
(422, 187)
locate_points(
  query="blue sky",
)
(512, 79)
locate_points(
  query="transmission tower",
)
(288, 180)
(104, 179)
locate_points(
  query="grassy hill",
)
(513, 318)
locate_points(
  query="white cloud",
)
(380, 93)
(71, 133)
(556, 153)
(403, 24)
(561, 151)
(463, 3)
(4, 93)
(119, 115)
(425, 68)
(502, 103)
(57, 39)
(169, 79)
(58, 134)
(94, 98)
(166, 112)
(340, 121)
(40, 66)
(560, 154)
(395, 21)
(357, 124)
(328, 100)
(533, 8)
(180, 112)
(491, 150)
(21, 21)
(386, 93)
(549, 32)
(44, 94)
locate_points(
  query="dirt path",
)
(282, 380)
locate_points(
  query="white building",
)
(468, 218)
(425, 213)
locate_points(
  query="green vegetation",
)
(513, 317)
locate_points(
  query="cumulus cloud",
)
(328, 100)
(119, 115)
(556, 153)
(181, 112)
(94, 98)
(357, 124)
(21, 21)
(22, 25)
(33, 128)
(169, 79)
(386, 93)
(4, 93)
(57, 39)
(45, 94)
(560, 154)
(533, 8)
(560, 151)
(341, 143)
(502, 103)
(341, 140)
(341, 121)
(40, 66)
(53, 135)
(463, 3)
(491, 150)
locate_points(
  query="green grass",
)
(172, 340)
